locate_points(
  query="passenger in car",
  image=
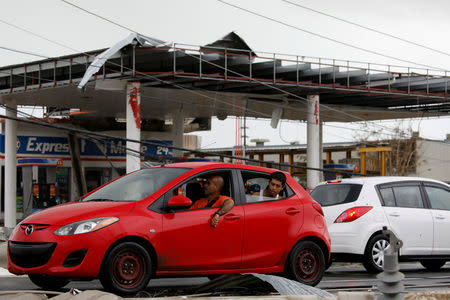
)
(275, 186)
(213, 187)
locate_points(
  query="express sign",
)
(50, 146)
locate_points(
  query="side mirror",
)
(179, 201)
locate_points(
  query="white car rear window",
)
(336, 193)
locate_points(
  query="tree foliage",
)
(402, 160)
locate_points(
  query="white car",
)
(416, 209)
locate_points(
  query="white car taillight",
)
(352, 214)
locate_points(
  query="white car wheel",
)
(374, 254)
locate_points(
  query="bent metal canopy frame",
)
(211, 81)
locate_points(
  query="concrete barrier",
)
(356, 296)
(432, 295)
(100, 295)
(87, 295)
(22, 296)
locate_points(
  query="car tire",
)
(127, 269)
(306, 263)
(48, 282)
(374, 254)
(328, 264)
(433, 264)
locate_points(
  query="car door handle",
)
(231, 217)
(292, 211)
(394, 215)
(440, 217)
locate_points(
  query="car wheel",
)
(432, 264)
(306, 263)
(48, 282)
(127, 269)
(374, 254)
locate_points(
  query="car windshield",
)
(333, 194)
(137, 185)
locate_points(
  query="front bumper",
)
(30, 255)
(43, 252)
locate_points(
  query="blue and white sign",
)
(342, 167)
(59, 146)
(37, 162)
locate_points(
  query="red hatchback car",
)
(140, 226)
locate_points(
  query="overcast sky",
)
(199, 22)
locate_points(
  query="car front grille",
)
(30, 255)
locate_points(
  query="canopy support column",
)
(133, 114)
(177, 132)
(313, 155)
(10, 167)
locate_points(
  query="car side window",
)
(193, 188)
(408, 196)
(439, 197)
(387, 194)
(255, 183)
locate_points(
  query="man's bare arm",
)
(226, 206)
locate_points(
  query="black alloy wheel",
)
(306, 263)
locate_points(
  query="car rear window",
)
(136, 186)
(333, 194)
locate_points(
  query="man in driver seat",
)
(212, 187)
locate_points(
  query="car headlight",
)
(86, 226)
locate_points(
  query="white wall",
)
(433, 159)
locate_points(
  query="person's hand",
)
(215, 220)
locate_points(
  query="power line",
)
(193, 91)
(233, 105)
(138, 73)
(326, 37)
(367, 28)
(202, 95)
(288, 93)
(178, 86)
(98, 16)
(206, 96)
(24, 114)
(35, 34)
(107, 136)
(23, 52)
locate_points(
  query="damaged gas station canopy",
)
(100, 60)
